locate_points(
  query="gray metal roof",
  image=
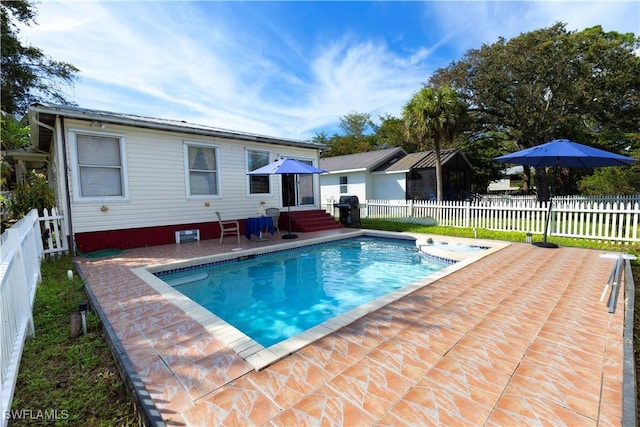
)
(361, 161)
(451, 158)
(404, 164)
(46, 114)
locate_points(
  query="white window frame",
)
(187, 171)
(246, 165)
(75, 168)
(344, 186)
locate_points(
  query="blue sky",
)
(287, 69)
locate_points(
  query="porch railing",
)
(52, 225)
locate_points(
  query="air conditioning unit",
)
(184, 236)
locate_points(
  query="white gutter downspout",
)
(61, 149)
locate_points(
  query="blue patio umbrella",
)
(286, 166)
(565, 153)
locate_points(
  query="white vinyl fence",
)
(21, 252)
(573, 198)
(576, 218)
(53, 234)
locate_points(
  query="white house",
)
(510, 183)
(352, 175)
(392, 174)
(127, 181)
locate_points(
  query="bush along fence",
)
(614, 222)
(21, 252)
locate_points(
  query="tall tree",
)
(552, 83)
(28, 75)
(321, 138)
(434, 117)
(391, 133)
(481, 149)
(615, 180)
(14, 133)
(356, 124)
(358, 136)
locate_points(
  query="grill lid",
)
(348, 201)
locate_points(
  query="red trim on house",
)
(304, 221)
(141, 237)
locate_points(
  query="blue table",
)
(256, 225)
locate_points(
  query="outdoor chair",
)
(274, 213)
(228, 228)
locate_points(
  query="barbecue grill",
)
(349, 207)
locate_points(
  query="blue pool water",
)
(275, 296)
(459, 247)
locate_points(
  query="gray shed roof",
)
(361, 161)
(451, 158)
(46, 114)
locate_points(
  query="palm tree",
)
(434, 116)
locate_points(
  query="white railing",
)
(611, 222)
(577, 198)
(53, 232)
(21, 252)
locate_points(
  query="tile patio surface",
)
(517, 338)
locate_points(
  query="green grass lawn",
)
(77, 377)
(481, 233)
(74, 379)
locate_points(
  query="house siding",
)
(365, 185)
(330, 186)
(389, 186)
(157, 188)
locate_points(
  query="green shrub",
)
(34, 193)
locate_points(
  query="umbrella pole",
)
(544, 243)
(546, 224)
(289, 236)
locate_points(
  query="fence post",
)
(467, 213)
(47, 226)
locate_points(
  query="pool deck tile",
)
(516, 338)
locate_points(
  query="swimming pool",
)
(275, 296)
(260, 356)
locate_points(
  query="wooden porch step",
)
(308, 221)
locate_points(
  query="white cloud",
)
(135, 56)
(195, 62)
(469, 24)
(365, 77)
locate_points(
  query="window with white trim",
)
(258, 184)
(98, 166)
(202, 169)
(343, 185)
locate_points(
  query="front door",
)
(288, 190)
(297, 190)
